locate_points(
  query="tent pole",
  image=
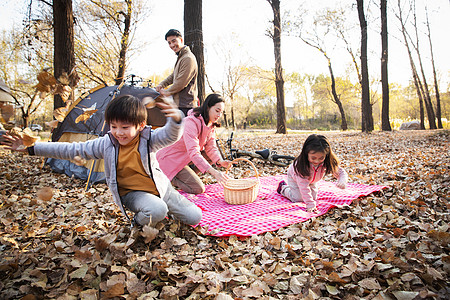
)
(103, 127)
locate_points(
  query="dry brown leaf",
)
(28, 137)
(149, 102)
(45, 193)
(60, 113)
(149, 233)
(116, 290)
(86, 115)
(64, 91)
(46, 82)
(52, 124)
(79, 161)
(64, 78)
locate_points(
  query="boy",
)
(131, 169)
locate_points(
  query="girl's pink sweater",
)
(307, 184)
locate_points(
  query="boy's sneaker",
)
(280, 186)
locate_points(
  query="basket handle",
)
(246, 160)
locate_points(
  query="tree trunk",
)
(193, 37)
(425, 91)
(279, 81)
(63, 57)
(366, 108)
(436, 87)
(385, 124)
(124, 43)
(338, 102)
(416, 79)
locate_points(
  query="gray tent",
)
(95, 126)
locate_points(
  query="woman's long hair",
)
(315, 143)
(203, 110)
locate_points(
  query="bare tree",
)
(234, 81)
(105, 37)
(366, 108)
(63, 58)
(193, 37)
(425, 92)
(436, 87)
(385, 124)
(124, 41)
(416, 79)
(279, 81)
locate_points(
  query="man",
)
(183, 80)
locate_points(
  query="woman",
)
(198, 137)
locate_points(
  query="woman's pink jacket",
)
(196, 138)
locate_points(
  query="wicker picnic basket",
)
(241, 191)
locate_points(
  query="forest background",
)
(239, 56)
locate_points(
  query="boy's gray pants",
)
(148, 207)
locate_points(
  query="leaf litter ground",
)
(58, 241)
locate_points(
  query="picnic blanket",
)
(270, 211)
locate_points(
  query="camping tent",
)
(72, 130)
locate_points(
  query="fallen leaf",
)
(45, 193)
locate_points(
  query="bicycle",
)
(265, 155)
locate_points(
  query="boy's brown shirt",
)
(131, 175)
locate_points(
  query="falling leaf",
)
(29, 138)
(86, 115)
(64, 91)
(79, 161)
(60, 113)
(64, 78)
(46, 81)
(52, 123)
(45, 193)
(149, 102)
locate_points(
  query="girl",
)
(198, 140)
(314, 162)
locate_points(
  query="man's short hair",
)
(173, 32)
(126, 108)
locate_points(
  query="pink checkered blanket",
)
(270, 211)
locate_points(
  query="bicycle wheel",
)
(284, 160)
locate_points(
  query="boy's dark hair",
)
(315, 143)
(203, 110)
(126, 108)
(173, 32)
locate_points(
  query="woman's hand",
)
(14, 143)
(170, 110)
(221, 178)
(224, 163)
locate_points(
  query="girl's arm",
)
(342, 178)
(304, 187)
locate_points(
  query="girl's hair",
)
(203, 110)
(315, 143)
(126, 108)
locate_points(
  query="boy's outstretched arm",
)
(170, 110)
